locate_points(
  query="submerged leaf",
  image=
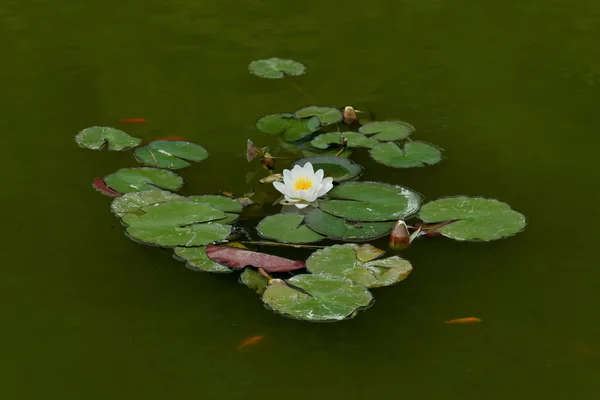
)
(134, 201)
(287, 228)
(414, 154)
(340, 229)
(170, 154)
(254, 280)
(338, 168)
(127, 180)
(387, 130)
(351, 139)
(276, 68)
(327, 115)
(237, 258)
(96, 137)
(197, 260)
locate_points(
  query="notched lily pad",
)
(371, 201)
(293, 129)
(317, 297)
(276, 68)
(479, 219)
(196, 259)
(287, 228)
(254, 280)
(339, 168)
(135, 201)
(96, 137)
(340, 229)
(127, 180)
(342, 260)
(414, 154)
(327, 115)
(387, 130)
(170, 154)
(352, 139)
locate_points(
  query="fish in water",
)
(132, 121)
(250, 341)
(468, 320)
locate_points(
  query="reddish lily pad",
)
(238, 258)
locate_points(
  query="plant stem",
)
(300, 90)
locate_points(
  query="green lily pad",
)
(171, 154)
(339, 168)
(479, 219)
(353, 139)
(196, 259)
(177, 223)
(254, 280)
(223, 203)
(327, 115)
(293, 129)
(134, 201)
(287, 228)
(414, 154)
(317, 297)
(387, 130)
(340, 229)
(127, 180)
(371, 201)
(96, 137)
(276, 68)
(342, 260)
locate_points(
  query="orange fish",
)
(468, 320)
(250, 341)
(132, 121)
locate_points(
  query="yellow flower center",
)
(303, 183)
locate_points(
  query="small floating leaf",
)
(100, 186)
(276, 68)
(127, 180)
(197, 260)
(134, 201)
(342, 260)
(97, 137)
(353, 139)
(480, 219)
(327, 115)
(340, 229)
(254, 280)
(223, 203)
(317, 297)
(293, 129)
(387, 130)
(287, 228)
(171, 154)
(371, 201)
(339, 168)
(237, 258)
(414, 154)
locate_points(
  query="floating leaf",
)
(327, 115)
(352, 139)
(177, 223)
(342, 260)
(223, 203)
(252, 151)
(310, 151)
(134, 201)
(97, 137)
(237, 258)
(367, 252)
(339, 168)
(293, 129)
(371, 201)
(127, 180)
(341, 229)
(171, 154)
(197, 260)
(276, 68)
(100, 186)
(254, 280)
(387, 130)
(414, 154)
(317, 297)
(287, 228)
(479, 218)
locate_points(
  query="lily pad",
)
(340, 229)
(371, 201)
(342, 260)
(127, 180)
(339, 168)
(317, 297)
(310, 151)
(287, 228)
(387, 130)
(327, 115)
(196, 259)
(353, 139)
(177, 223)
(414, 154)
(238, 258)
(254, 280)
(276, 68)
(171, 154)
(293, 129)
(480, 219)
(223, 203)
(135, 201)
(96, 137)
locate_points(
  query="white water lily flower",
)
(302, 185)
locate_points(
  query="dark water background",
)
(510, 89)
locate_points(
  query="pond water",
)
(510, 90)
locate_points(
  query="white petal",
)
(280, 187)
(318, 177)
(302, 205)
(287, 177)
(308, 168)
(309, 197)
(296, 172)
(291, 199)
(326, 186)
